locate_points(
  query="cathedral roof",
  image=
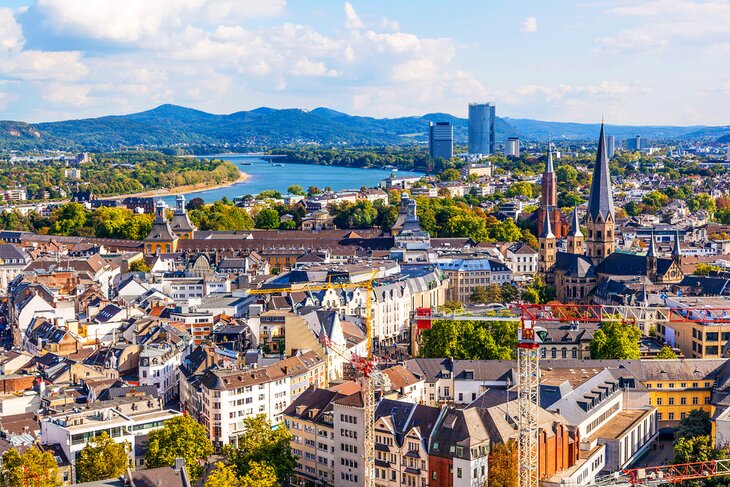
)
(600, 202)
(575, 224)
(574, 265)
(622, 264)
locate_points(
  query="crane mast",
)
(528, 390)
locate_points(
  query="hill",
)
(172, 125)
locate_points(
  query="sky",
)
(648, 62)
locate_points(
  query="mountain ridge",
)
(175, 125)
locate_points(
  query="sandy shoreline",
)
(190, 188)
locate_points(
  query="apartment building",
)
(198, 324)
(466, 274)
(349, 428)
(310, 420)
(158, 367)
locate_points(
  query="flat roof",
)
(621, 423)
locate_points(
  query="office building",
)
(636, 144)
(610, 146)
(512, 147)
(482, 122)
(441, 140)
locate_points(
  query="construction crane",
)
(528, 356)
(365, 366)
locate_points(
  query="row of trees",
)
(115, 173)
(262, 458)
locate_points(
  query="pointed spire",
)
(549, 164)
(575, 224)
(600, 202)
(677, 250)
(547, 231)
(652, 247)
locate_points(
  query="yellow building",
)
(676, 387)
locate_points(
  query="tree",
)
(267, 218)
(616, 340)
(138, 265)
(295, 189)
(696, 423)
(505, 231)
(509, 292)
(703, 269)
(68, 219)
(195, 204)
(313, 190)
(666, 353)
(489, 294)
(223, 476)
(102, 458)
(268, 193)
(470, 340)
(262, 444)
(503, 466)
(450, 175)
(695, 449)
(181, 437)
(702, 201)
(538, 292)
(33, 469)
(260, 474)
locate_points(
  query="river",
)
(264, 175)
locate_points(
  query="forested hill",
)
(171, 125)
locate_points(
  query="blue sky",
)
(637, 62)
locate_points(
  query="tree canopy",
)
(181, 437)
(470, 340)
(102, 458)
(33, 469)
(616, 340)
(503, 465)
(666, 353)
(260, 447)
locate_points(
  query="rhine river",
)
(264, 175)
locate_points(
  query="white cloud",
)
(305, 67)
(44, 66)
(11, 35)
(67, 94)
(388, 24)
(352, 20)
(663, 24)
(134, 21)
(529, 25)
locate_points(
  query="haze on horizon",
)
(644, 62)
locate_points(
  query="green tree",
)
(523, 188)
(471, 340)
(32, 469)
(696, 423)
(450, 175)
(695, 449)
(195, 203)
(268, 193)
(464, 225)
(490, 294)
(223, 476)
(295, 189)
(505, 231)
(702, 201)
(262, 445)
(616, 340)
(503, 466)
(267, 218)
(68, 219)
(538, 292)
(138, 265)
(666, 353)
(102, 458)
(509, 292)
(260, 474)
(181, 437)
(703, 269)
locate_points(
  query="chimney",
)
(179, 464)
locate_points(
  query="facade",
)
(466, 274)
(482, 133)
(512, 147)
(161, 238)
(440, 140)
(349, 428)
(180, 224)
(158, 367)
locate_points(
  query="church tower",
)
(677, 251)
(576, 240)
(548, 250)
(181, 225)
(161, 238)
(549, 199)
(651, 260)
(600, 219)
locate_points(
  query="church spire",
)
(547, 231)
(549, 164)
(600, 202)
(677, 250)
(575, 224)
(652, 247)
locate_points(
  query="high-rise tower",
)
(601, 218)
(482, 128)
(549, 199)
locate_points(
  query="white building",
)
(158, 366)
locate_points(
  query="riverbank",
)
(189, 188)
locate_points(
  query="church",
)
(590, 259)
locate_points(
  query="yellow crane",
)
(367, 366)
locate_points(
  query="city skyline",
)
(64, 59)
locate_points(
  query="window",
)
(458, 472)
(695, 400)
(671, 416)
(658, 401)
(671, 401)
(682, 401)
